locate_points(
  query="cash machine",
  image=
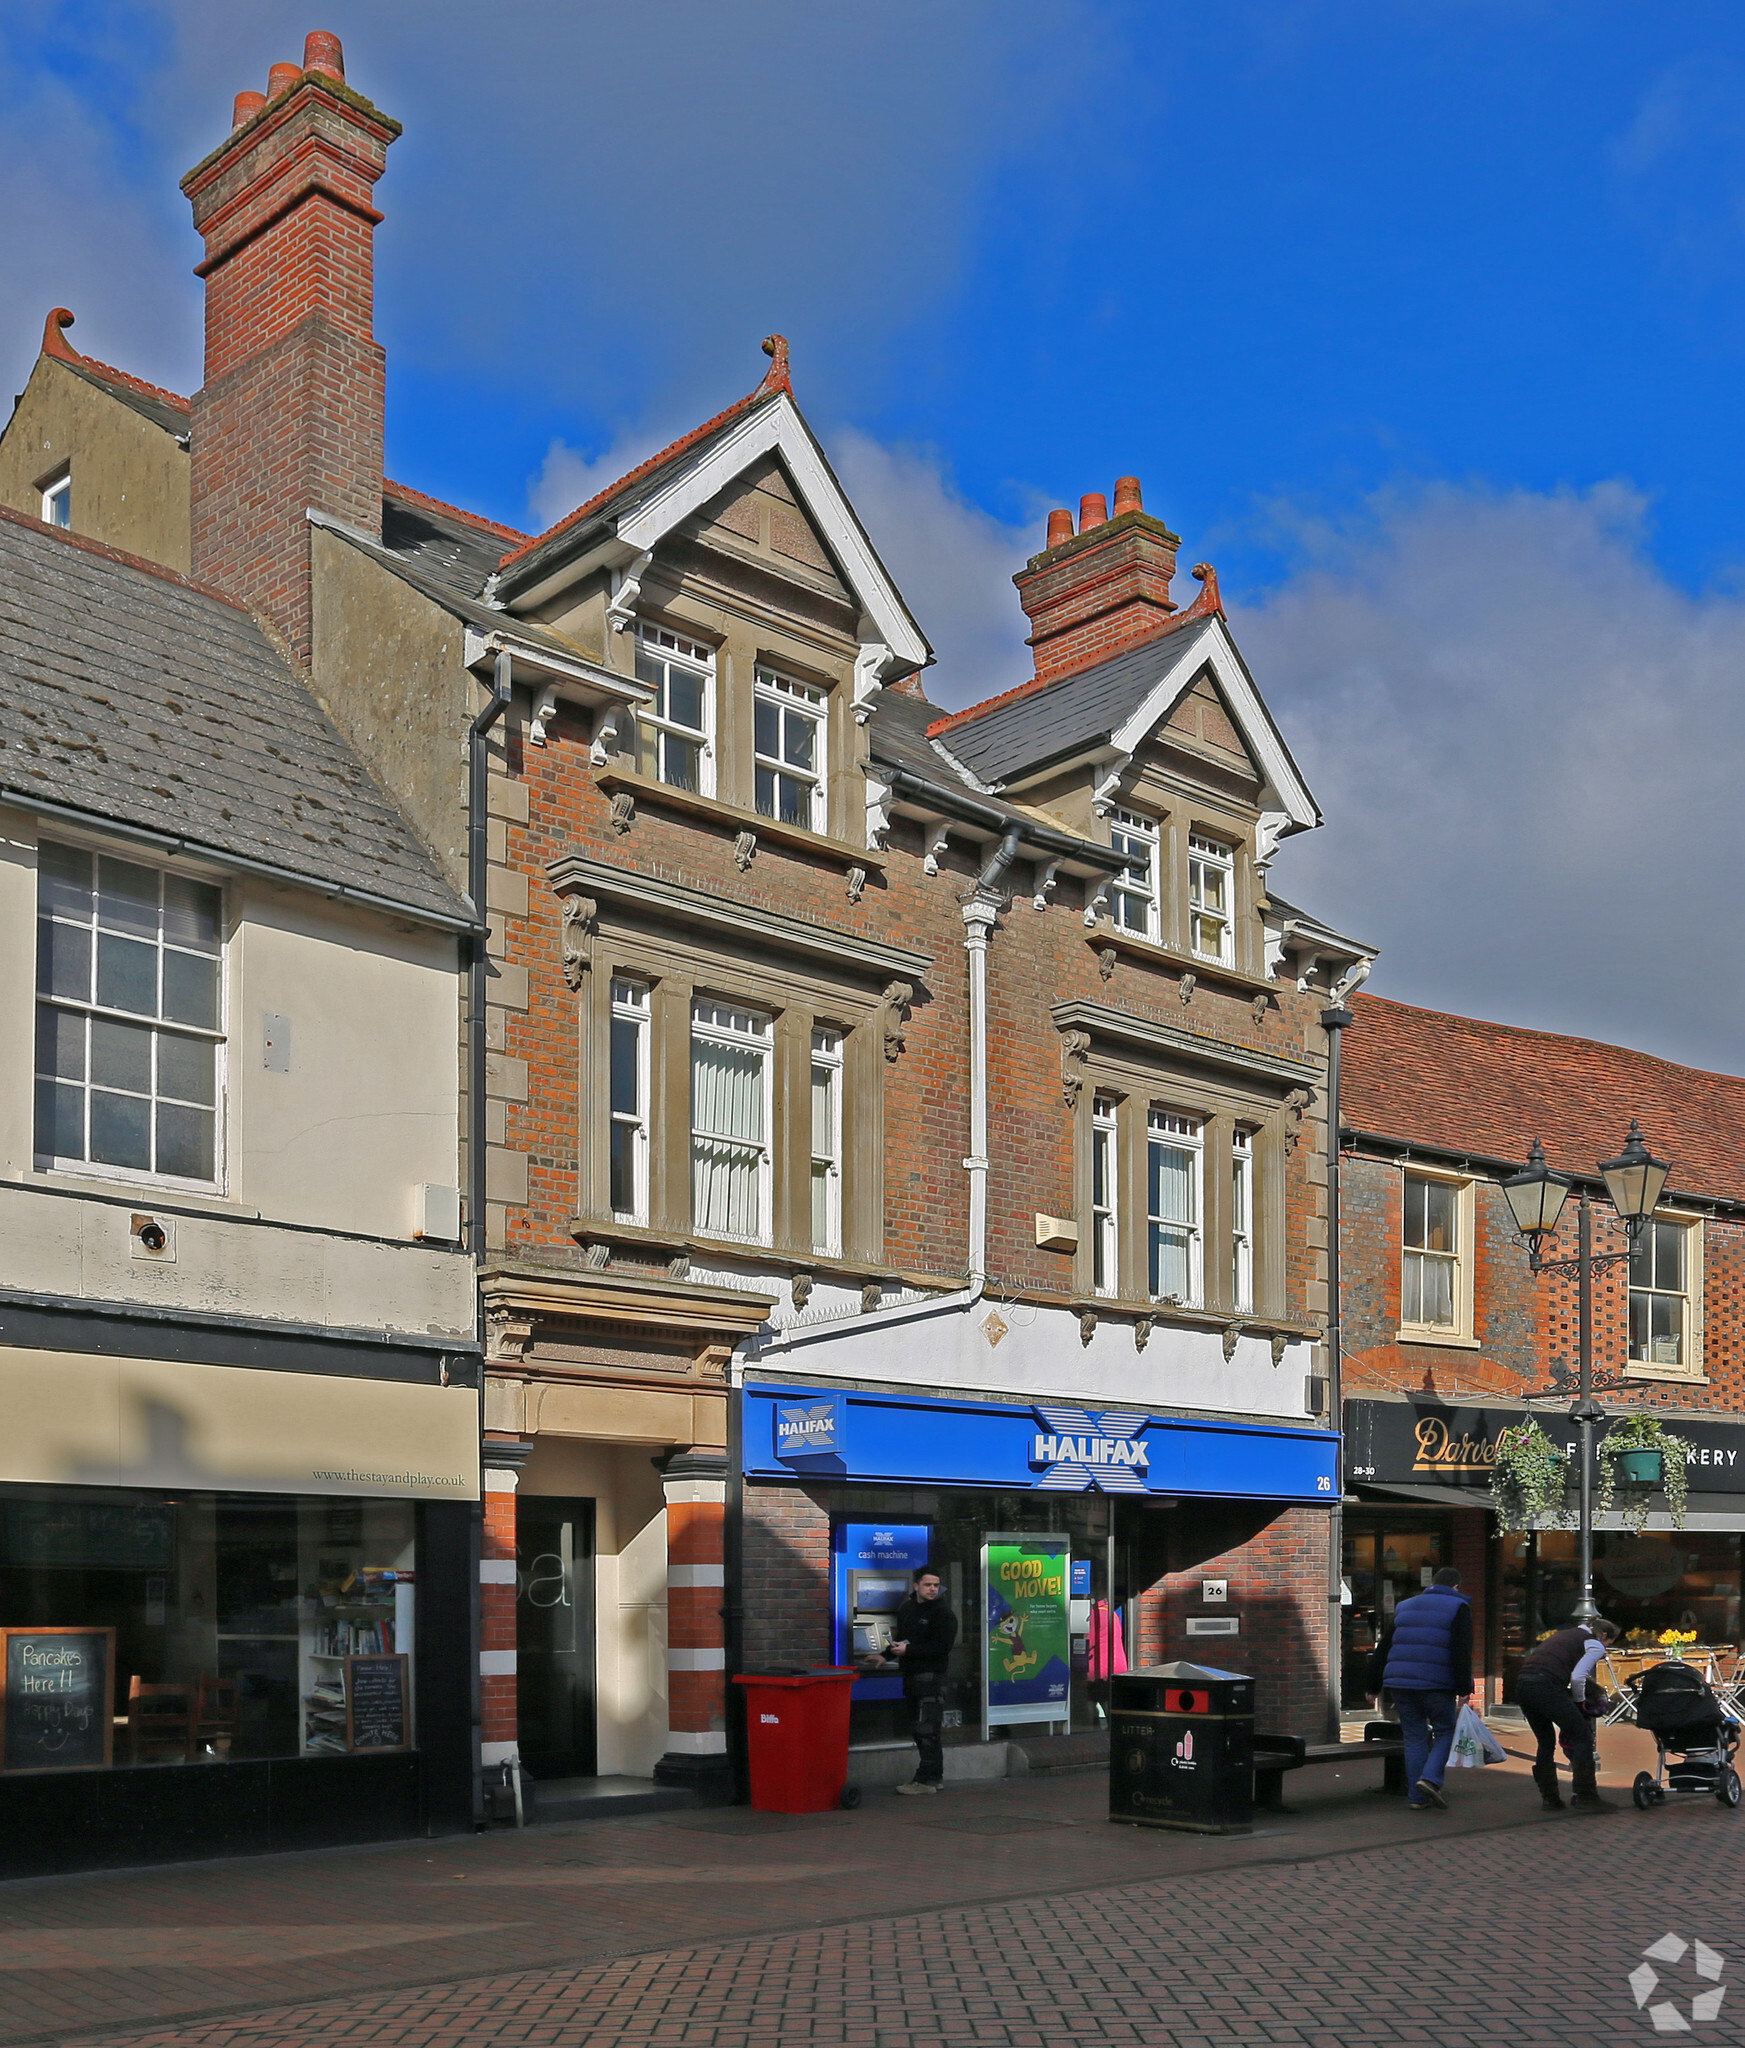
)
(873, 1565)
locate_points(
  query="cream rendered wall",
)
(630, 1596)
(369, 1109)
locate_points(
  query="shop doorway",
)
(554, 1635)
(1388, 1558)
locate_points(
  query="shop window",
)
(675, 735)
(128, 1019)
(1435, 1269)
(1242, 1218)
(1661, 1333)
(827, 1141)
(1105, 1197)
(1211, 887)
(1174, 1205)
(57, 500)
(203, 1628)
(790, 723)
(1133, 894)
(730, 1122)
(628, 1165)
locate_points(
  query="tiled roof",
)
(132, 695)
(1465, 1086)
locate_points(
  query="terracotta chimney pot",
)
(248, 104)
(281, 76)
(1093, 511)
(322, 52)
(1059, 528)
(1127, 498)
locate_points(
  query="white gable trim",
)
(777, 429)
(1210, 646)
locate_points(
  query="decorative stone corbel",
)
(1279, 1343)
(871, 1295)
(508, 1332)
(1232, 1332)
(712, 1361)
(1095, 903)
(1189, 982)
(1260, 1005)
(868, 662)
(623, 811)
(1296, 1102)
(896, 999)
(678, 1267)
(626, 590)
(1106, 958)
(856, 884)
(1045, 885)
(603, 749)
(576, 937)
(930, 861)
(597, 1257)
(1142, 1330)
(878, 813)
(1087, 1324)
(1306, 965)
(800, 1288)
(1074, 1046)
(1268, 831)
(744, 850)
(1103, 795)
(544, 711)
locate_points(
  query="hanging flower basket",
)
(1530, 1480)
(1640, 1456)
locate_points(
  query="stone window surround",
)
(1179, 812)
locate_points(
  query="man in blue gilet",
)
(1424, 1660)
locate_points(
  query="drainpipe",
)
(978, 925)
(1336, 1019)
(478, 965)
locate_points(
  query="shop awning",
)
(1435, 1496)
(1710, 1512)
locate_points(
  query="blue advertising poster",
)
(1081, 1578)
(1027, 1646)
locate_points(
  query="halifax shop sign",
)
(912, 1440)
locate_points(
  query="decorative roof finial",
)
(1208, 600)
(776, 378)
(53, 342)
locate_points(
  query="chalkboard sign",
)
(57, 1702)
(376, 1703)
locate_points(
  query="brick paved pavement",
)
(1345, 1922)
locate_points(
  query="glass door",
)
(1388, 1558)
(554, 1635)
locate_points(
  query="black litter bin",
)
(1181, 1749)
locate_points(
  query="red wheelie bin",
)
(796, 1726)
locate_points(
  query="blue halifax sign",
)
(917, 1440)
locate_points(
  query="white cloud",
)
(568, 478)
(1526, 743)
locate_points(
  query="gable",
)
(759, 513)
(1202, 722)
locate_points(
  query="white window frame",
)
(1178, 1131)
(631, 1006)
(57, 500)
(826, 1146)
(1125, 895)
(1242, 1217)
(793, 699)
(1105, 1181)
(1460, 1330)
(1690, 1366)
(1206, 854)
(716, 1021)
(691, 656)
(215, 1036)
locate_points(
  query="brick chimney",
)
(290, 414)
(1092, 593)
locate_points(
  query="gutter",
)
(1045, 838)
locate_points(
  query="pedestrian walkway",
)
(1009, 1917)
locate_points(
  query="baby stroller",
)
(1690, 1726)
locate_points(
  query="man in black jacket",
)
(922, 1636)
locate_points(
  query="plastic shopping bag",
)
(1474, 1744)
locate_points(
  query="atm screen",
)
(871, 1638)
(879, 1595)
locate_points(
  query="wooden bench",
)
(1276, 1754)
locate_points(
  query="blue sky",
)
(1423, 321)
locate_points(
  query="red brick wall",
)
(785, 1589)
(497, 1618)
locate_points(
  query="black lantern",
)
(1536, 1196)
(1634, 1179)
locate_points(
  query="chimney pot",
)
(1127, 498)
(248, 104)
(1093, 511)
(281, 76)
(1059, 527)
(322, 52)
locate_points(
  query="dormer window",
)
(1133, 893)
(675, 730)
(1211, 878)
(57, 499)
(790, 729)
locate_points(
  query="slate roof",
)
(1032, 726)
(131, 695)
(455, 547)
(1467, 1087)
(163, 408)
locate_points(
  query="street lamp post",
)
(1536, 1196)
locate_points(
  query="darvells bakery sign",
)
(1392, 1442)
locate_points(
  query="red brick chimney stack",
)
(1091, 594)
(290, 414)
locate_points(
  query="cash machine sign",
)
(1079, 1451)
(809, 1429)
